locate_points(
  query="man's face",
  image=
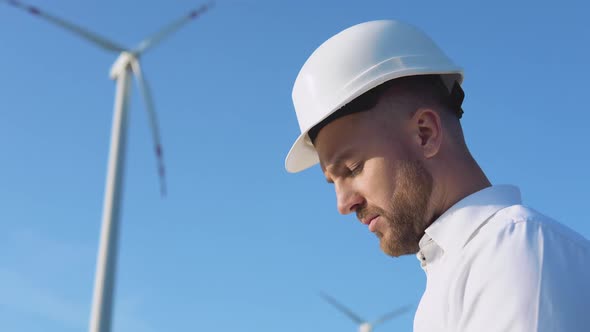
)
(377, 174)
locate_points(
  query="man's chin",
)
(393, 250)
(389, 249)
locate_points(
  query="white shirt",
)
(494, 265)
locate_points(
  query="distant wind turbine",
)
(364, 326)
(127, 64)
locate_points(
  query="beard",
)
(405, 217)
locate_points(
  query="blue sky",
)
(239, 244)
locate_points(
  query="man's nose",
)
(348, 200)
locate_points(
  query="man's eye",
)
(356, 169)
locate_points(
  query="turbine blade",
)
(81, 32)
(391, 315)
(171, 28)
(149, 106)
(342, 308)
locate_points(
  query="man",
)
(378, 106)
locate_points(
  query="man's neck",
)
(460, 181)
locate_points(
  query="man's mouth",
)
(372, 224)
(368, 220)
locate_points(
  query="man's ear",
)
(428, 131)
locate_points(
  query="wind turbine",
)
(126, 65)
(364, 326)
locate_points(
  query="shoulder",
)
(518, 240)
(527, 264)
(518, 222)
(528, 272)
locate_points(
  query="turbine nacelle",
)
(123, 62)
(364, 326)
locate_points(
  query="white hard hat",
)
(353, 62)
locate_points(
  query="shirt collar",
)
(454, 228)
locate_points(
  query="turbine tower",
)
(364, 326)
(126, 65)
